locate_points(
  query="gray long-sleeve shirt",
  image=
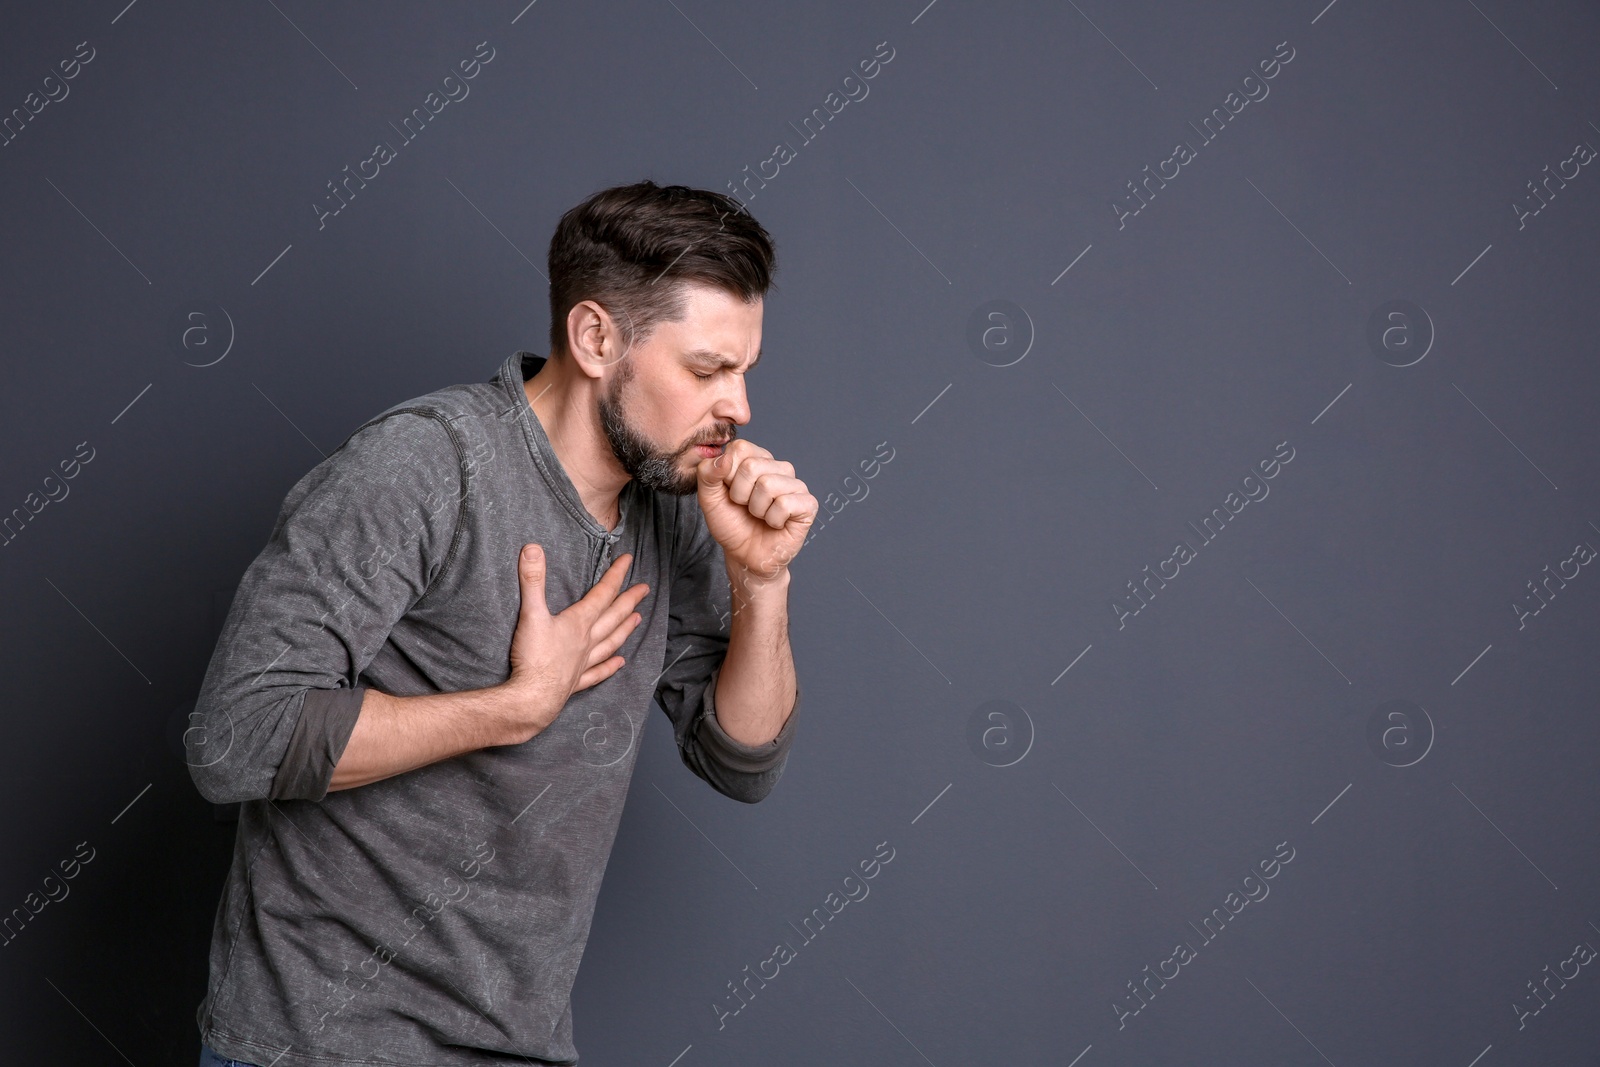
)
(438, 917)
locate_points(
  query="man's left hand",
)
(755, 508)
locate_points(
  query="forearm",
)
(756, 686)
(395, 734)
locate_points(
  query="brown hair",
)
(618, 247)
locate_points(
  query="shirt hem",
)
(232, 1046)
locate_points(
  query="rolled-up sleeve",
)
(697, 643)
(358, 541)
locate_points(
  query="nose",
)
(733, 405)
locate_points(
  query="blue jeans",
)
(209, 1058)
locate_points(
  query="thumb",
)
(530, 574)
(711, 478)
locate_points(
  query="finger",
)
(768, 488)
(790, 507)
(600, 672)
(619, 608)
(605, 590)
(740, 448)
(734, 455)
(613, 616)
(752, 470)
(530, 577)
(613, 640)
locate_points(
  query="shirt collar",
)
(518, 368)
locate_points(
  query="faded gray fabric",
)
(327, 717)
(438, 917)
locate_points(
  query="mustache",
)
(727, 435)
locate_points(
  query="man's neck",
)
(566, 404)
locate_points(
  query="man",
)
(429, 690)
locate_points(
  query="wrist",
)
(751, 589)
(512, 714)
(755, 580)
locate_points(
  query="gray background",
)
(1235, 712)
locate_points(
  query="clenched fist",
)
(755, 508)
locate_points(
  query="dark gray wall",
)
(1350, 672)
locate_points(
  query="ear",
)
(591, 338)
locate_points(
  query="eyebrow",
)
(704, 355)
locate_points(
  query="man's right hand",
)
(554, 656)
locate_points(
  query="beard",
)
(653, 468)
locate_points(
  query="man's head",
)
(657, 294)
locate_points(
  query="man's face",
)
(671, 392)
